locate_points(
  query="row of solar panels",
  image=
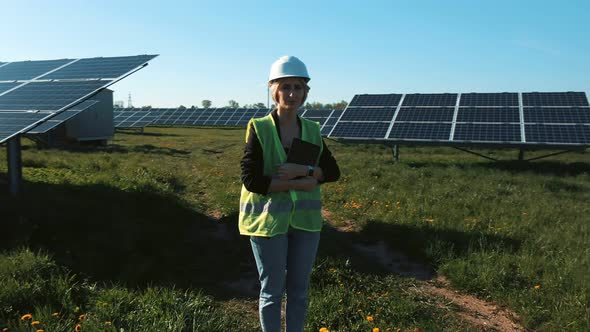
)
(503, 99)
(138, 118)
(34, 93)
(530, 118)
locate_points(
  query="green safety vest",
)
(272, 214)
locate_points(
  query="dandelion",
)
(35, 323)
(55, 314)
(108, 323)
(537, 286)
(82, 317)
(78, 328)
(323, 329)
(26, 317)
(376, 329)
(40, 330)
(429, 220)
(398, 330)
(370, 318)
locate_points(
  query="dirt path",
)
(483, 315)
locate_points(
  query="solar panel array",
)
(230, 117)
(32, 92)
(528, 118)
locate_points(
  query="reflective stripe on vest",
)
(278, 207)
(272, 214)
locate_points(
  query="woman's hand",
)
(307, 183)
(290, 171)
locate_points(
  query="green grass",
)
(142, 233)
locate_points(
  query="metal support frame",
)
(15, 170)
(395, 152)
(475, 153)
(550, 155)
(520, 154)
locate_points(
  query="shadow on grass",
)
(128, 238)
(538, 167)
(139, 133)
(407, 251)
(545, 167)
(143, 238)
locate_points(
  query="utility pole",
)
(129, 103)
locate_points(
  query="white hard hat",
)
(288, 66)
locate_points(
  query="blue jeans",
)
(284, 263)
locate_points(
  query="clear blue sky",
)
(221, 50)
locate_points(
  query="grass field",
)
(141, 235)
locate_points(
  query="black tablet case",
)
(303, 153)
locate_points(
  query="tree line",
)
(234, 104)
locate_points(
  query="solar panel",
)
(391, 100)
(50, 96)
(558, 134)
(62, 117)
(554, 99)
(136, 118)
(556, 115)
(507, 118)
(489, 99)
(5, 86)
(355, 130)
(28, 70)
(111, 67)
(30, 89)
(368, 114)
(488, 114)
(420, 131)
(487, 132)
(13, 123)
(430, 99)
(225, 116)
(436, 114)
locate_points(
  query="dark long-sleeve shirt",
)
(252, 163)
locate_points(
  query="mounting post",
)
(15, 173)
(395, 151)
(521, 154)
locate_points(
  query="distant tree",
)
(182, 107)
(233, 104)
(317, 105)
(206, 103)
(146, 108)
(340, 105)
(259, 105)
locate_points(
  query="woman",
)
(280, 203)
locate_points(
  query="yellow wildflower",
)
(26, 317)
(78, 328)
(55, 314)
(108, 323)
(537, 286)
(428, 220)
(35, 323)
(82, 317)
(40, 330)
(323, 329)
(370, 318)
(376, 329)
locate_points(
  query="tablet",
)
(303, 153)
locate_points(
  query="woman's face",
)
(290, 93)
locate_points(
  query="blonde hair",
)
(274, 89)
